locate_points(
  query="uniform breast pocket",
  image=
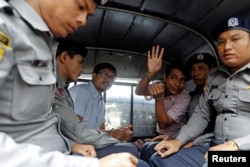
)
(33, 92)
(215, 98)
(244, 100)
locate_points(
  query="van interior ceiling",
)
(122, 31)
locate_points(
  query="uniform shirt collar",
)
(60, 82)
(224, 69)
(198, 90)
(30, 15)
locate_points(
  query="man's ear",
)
(93, 75)
(63, 56)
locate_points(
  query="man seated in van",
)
(171, 99)
(89, 103)
(199, 65)
(69, 59)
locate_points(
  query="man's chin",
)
(175, 92)
(61, 34)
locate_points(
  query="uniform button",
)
(225, 119)
(226, 139)
(230, 79)
(41, 78)
(226, 96)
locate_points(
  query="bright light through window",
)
(118, 111)
(118, 106)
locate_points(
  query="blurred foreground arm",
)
(28, 155)
(119, 160)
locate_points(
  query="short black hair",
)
(178, 66)
(101, 66)
(98, 1)
(72, 47)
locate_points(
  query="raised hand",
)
(155, 59)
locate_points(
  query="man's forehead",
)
(233, 33)
(107, 70)
(90, 5)
(175, 72)
(199, 64)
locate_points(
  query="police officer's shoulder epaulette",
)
(5, 41)
(8, 10)
(213, 70)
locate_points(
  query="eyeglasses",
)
(106, 75)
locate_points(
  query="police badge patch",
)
(5, 41)
(233, 22)
(5, 44)
(200, 56)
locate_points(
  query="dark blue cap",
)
(72, 46)
(232, 23)
(205, 58)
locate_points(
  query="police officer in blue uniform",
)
(199, 65)
(27, 82)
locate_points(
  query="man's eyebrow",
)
(91, 14)
(234, 35)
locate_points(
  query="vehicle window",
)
(123, 108)
(143, 116)
(118, 106)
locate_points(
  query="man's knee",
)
(155, 160)
(142, 164)
(117, 148)
(147, 150)
(183, 158)
(127, 147)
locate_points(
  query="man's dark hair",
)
(101, 66)
(178, 66)
(98, 1)
(72, 47)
